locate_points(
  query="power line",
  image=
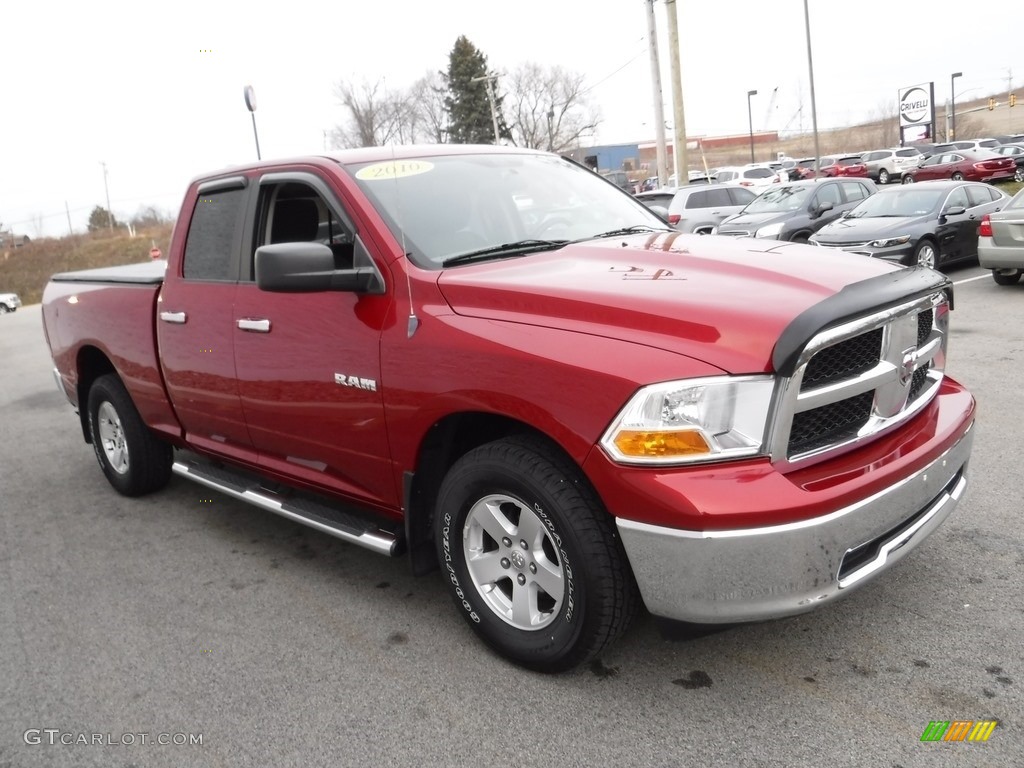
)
(615, 72)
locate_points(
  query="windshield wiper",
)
(635, 229)
(518, 248)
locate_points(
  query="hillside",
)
(25, 270)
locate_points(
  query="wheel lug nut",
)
(505, 563)
(533, 567)
(521, 578)
(507, 541)
(522, 543)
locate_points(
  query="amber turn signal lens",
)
(640, 444)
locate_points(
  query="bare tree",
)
(376, 116)
(426, 97)
(548, 108)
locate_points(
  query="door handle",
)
(174, 317)
(254, 324)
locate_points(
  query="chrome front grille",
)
(861, 379)
(837, 244)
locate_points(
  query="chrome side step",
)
(330, 520)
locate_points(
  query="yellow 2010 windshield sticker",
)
(393, 169)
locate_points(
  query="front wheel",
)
(532, 558)
(926, 255)
(1007, 276)
(908, 179)
(134, 461)
(1018, 175)
(883, 176)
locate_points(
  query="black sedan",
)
(797, 210)
(933, 223)
(1016, 152)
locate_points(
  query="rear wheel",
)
(1018, 175)
(883, 176)
(957, 176)
(132, 458)
(531, 557)
(1007, 276)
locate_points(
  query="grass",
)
(26, 270)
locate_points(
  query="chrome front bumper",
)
(721, 577)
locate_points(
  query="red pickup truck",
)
(496, 362)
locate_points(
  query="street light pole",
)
(750, 121)
(250, 102)
(952, 101)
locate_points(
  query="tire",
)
(907, 178)
(1007, 276)
(802, 238)
(134, 461)
(517, 506)
(4, 309)
(957, 176)
(925, 255)
(883, 176)
(1018, 175)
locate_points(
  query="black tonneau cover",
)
(146, 273)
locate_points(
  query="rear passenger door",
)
(309, 363)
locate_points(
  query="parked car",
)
(10, 240)
(797, 210)
(1017, 138)
(842, 165)
(621, 180)
(755, 176)
(885, 165)
(963, 165)
(657, 200)
(700, 208)
(932, 224)
(975, 143)
(9, 302)
(803, 168)
(1016, 153)
(1001, 241)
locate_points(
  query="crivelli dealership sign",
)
(917, 105)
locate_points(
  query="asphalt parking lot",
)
(188, 614)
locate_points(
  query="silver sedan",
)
(1001, 242)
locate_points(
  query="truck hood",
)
(715, 299)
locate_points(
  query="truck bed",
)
(146, 273)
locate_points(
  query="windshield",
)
(900, 202)
(449, 205)
(780, 199)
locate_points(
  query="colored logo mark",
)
(959, 730)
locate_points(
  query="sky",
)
(156, 92)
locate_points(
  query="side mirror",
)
(821, 209)
(660, 211)
(954, 210)
(307, 267)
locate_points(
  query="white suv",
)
(748, 176)
(9, 302)
(885, 165)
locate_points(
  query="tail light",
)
(985, 227)
(746, 183)
(673, 219)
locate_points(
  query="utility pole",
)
(814, 106)
(489, 82)
(659, 105)
(1009, 101)
(106, 189)
(68, 212)
(682, 164)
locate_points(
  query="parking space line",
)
(972, 279)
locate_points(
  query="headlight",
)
(772, 230)
(693, 420)
(888, 242)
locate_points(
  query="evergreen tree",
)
(469, 109)
(101, 218)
